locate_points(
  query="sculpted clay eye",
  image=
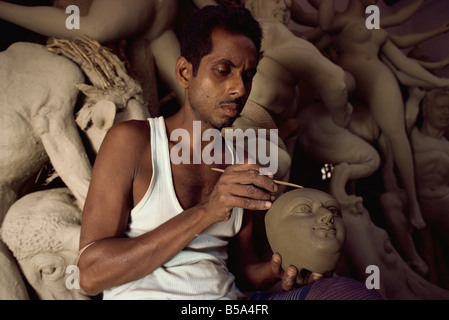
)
(304, 209)
(334, 211)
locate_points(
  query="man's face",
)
(436, 112)
(279, 10)
(308, 230)
(219, 91)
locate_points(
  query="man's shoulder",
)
(130, 132)
(131, 127)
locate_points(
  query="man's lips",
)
(231, 109)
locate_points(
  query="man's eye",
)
(248, 76)
(223, 70)
(304, 209)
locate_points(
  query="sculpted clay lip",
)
(326, 229)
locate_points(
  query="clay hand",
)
(240, 186)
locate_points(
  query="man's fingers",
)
(289, 278)
(250, 176)
(252, 192)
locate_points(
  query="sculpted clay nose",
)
(325, 216)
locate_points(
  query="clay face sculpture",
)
(436, 109)
(306, 228)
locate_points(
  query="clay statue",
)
(38, 111)
(145, 22)
(42, 230)
(350, 150)
(369, 245)
(38, 100)
(431, 151)
(359, 48)
(288, 59)
(352, 153)
(306, 228)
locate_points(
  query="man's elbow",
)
(89, 283)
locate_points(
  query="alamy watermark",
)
(373, 18)
(256, 142)
(73, 20)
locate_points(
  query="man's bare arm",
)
(113, 259)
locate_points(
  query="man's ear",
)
(184, 71)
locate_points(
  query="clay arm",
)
(302, 17)
(401, 15)
(62, 142)
(404, 78)
(411, 67)
(107, 20)
(326, 15)
(410, 40)
(329, 80)
(434, 64)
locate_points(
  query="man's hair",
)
(196, 39)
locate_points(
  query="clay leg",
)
(387, 108)
(401, 232)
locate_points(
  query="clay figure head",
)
(42, 230)
(306, 228)
(435, 108)
(279, 10)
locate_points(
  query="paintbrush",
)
(276, 181)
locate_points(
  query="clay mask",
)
(306, 228)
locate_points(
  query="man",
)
(155, 230)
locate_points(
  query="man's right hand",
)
(240, 186)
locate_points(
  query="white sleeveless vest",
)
(197, 272)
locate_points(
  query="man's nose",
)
(238, 88)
